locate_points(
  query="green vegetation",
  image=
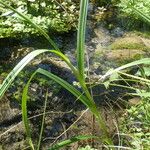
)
(87, 148)
(49, 15)
(130, 12)
(78, 72)
(135, 125)
(139, 135)
(72, 140)
(128, 5)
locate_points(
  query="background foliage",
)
(135, 124)
(60, 16)
(131, 18)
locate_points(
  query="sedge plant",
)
(79, 72)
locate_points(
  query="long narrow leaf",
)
(141, 14)
(31, 23)
(134, 63)
(65, 84)
(72, 140)
(12, 75)
(66, 59)
(81, 36)
(24, 112)
(143, 95)
(43, 121)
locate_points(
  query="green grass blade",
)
(66, 59)
(142, 94)
(147, 81)
(12, 75)
(43, 32)
(141, 14)
(24, 112)
(87, 102)
(65, 84)
(81, 36)
(68, 87)
(43, 121)
(134, 63)
(72, 140)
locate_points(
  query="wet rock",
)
(90, 9)
(123, 50)
(19, 52)
(104, 38)
(127, 49)
(125, 55)
(117, 32)
(6, 45)
(100, 41)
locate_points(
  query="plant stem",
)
(81, 37)
(43, 118)
(97, 114)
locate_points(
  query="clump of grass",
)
(78, 71)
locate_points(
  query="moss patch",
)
(129, 48)
(129, 43)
